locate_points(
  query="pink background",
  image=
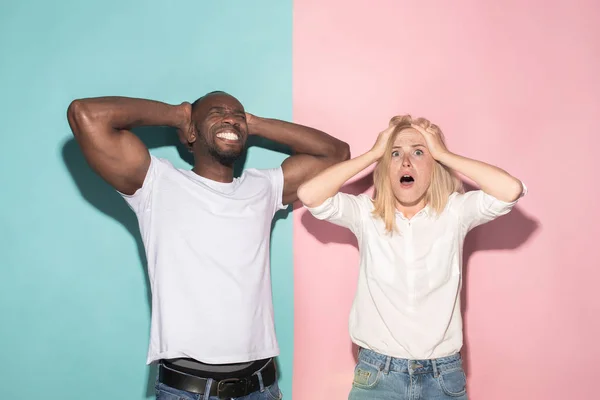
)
(513, 83)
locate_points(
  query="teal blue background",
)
(73, 291)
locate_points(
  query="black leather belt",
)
(224, 388)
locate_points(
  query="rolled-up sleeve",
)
(477, 207)
(342, 209)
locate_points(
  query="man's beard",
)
(224, 157)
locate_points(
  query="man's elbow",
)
(77, 109)
(80, 116)
(342, 152)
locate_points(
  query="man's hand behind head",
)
(185, 127)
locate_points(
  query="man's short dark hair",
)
(197, 102)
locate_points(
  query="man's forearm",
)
(301, 139)
(127, 113)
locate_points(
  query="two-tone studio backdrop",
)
(510, 83)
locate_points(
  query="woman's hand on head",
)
(434, 142)
(382, 141)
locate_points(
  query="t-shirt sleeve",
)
(140, 200)
(342, 209)
(476, 207)
(275, 176)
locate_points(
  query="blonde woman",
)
(406, 315)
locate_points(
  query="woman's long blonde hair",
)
(444, 181)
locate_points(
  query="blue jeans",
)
(379, 377)
(164, 392)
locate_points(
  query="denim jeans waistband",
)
(388, 363)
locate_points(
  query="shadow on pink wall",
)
(506, 233)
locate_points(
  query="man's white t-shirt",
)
(207, 245)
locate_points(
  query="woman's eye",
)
(395, 154)
(419, 152)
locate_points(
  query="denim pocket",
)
(365, 376)
(273, 392)
(453, 382)
(164, 392)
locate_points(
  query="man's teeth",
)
(228, 135)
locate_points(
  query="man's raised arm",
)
(102, 128)
(313, 150)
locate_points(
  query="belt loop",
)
(388, 361)
(435, 370)
(209, 383)
(260, 381)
